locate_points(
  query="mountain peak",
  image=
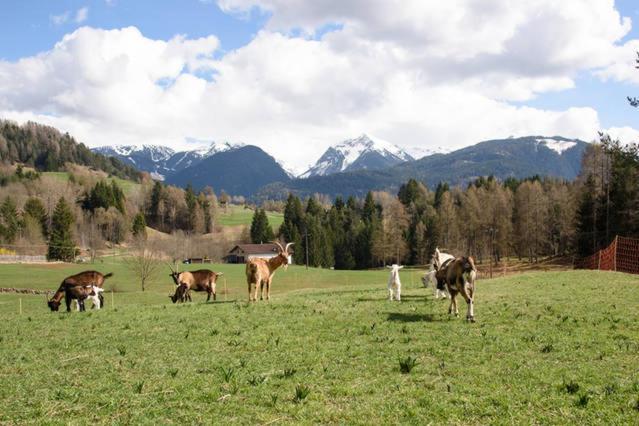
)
(358, 153)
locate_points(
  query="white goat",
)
(394, 284)
(93, 294)
(429, 279)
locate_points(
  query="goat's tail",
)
(109, 275)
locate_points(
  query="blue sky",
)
(323, 73)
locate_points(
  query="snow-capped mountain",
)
(162, 161)
(357, 154)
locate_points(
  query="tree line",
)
(524, 218)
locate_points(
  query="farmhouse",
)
(244, 252)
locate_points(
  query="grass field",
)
(238, 215)
(128, 186)
(548, 348)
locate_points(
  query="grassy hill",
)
(238, 215)
(552, 348)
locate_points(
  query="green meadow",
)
(235, 215)
(547, 348)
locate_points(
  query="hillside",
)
(47, 149)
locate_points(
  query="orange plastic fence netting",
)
(621, 255)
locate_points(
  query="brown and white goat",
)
(200, 280)
(259, 272)
(76, 287)
(460, 278)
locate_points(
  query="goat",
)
(440, 258)
(182, 294)
(200, 280)
(460, 278)
(439, 285)
(81, 294)
(394, 284)
(259, 272)
(72, 286)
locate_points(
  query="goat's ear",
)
(401, 267)
(389, 267)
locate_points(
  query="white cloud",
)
(59, 19)
(81, 15)
(624, 134)
(412, 72)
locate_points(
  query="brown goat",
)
(73, 287)
(200, 280)
(259, 272)
(460, 278)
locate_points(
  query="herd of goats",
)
(449, 275)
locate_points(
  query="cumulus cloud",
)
(412, 72)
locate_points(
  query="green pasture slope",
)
(238, 215)
(548, 348)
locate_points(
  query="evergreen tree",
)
(61, 245)
(191, 207)
(157, 196)
(292, 228)
(35, 209)
(138, 228)
(10, 225)
(261, 231)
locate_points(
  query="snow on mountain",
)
(357, 154)
(557, 145)
(418, 152)
(162, 161)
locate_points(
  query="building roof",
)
(256, 248)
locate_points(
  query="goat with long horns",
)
(259, 272)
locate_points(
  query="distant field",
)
(127, 185)
(548, 348)
(238, 215)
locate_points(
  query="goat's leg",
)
(101, 300)
(249, 291)
(398, 292)
(258, 283)
(467, 292)
(268, 290)
(208, 295)
(213, 290)
(262, 283)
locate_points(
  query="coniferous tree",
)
(10, 225)
(34, 208)
(138, 228)
(191, 207)
(61, 245)
(261, 231)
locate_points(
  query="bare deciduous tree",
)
(144, 261)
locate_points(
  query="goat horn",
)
(169, 265)
(279, 245)
(287, 246)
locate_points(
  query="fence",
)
(621, 255)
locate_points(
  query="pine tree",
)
(61, 245)
(157, 195)
(191, 206)
(261, 231)
(10, 225)
(35, 209)
(138, 229)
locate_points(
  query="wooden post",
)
(20, 303)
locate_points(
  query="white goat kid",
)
(429, 279)
(93, 295)
(394, 284)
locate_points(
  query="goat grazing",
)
(460, 278)
(200, 280)
(259, 272)
(394, 284)
(74, 287)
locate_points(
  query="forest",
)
(84, 212)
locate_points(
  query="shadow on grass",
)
(403, 317)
